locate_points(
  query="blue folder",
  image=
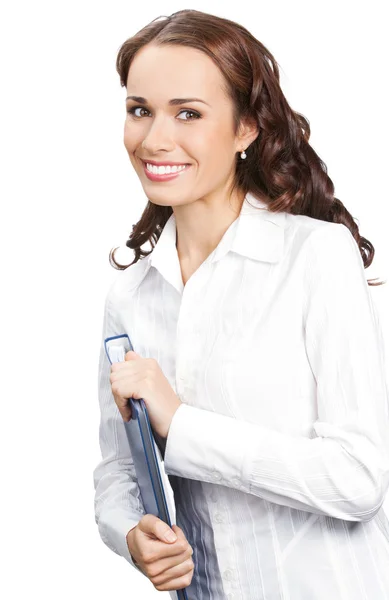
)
(147, 450)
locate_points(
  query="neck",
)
(201, 225)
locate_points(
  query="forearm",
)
(341, 473)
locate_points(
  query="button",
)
(219, 518)
(216, 475)
(236, 482)
(229, 574)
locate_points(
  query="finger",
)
(176, 578)
(126, 416)
(181, 536)
(121, 369)
(179, 533)
(126, 380)
(126, 413)
(162, 563)
(168, 555)
(124, 407)
(153, 525)
(118, 366)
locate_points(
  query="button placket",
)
(236, 482)
(221, 540)
(216, 476)
(230, 575)
(219, 518)
(230, 583)
(213, 497)
(185, 330)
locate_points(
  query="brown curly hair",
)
(281, 167)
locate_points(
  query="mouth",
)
(167, 164)
(170, 171)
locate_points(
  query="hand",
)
(137, 378)
(168, 565)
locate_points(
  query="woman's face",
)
(193, 132)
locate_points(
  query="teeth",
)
(164, 170)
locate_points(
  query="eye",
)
(197, 115)
(132, 110)
(193, 112)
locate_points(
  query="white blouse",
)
(279, 455)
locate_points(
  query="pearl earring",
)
(243, 154)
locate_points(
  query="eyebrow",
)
(172, 102)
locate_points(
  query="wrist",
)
(129, 537)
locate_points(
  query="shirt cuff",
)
(195, 450)
(114, 526)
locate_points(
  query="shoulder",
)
(316, 229)
(127, 280)
(324, 240)
(332, 267)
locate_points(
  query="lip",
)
(167, 163)
(165, 177)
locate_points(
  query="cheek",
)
(211, 147)
(131, 136)
(219, 156)
(215, 144)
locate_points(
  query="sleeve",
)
(343, 471)
(117, 502)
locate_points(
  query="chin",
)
(159, 202)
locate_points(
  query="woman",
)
(259, 353)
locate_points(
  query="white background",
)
(69, 194)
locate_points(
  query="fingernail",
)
(170, 536)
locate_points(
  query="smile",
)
(164, 169)
(164, 172)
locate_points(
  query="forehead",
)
(164, 72)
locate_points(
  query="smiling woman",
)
(167, 56)
(254, 301)
(166, 124)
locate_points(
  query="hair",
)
(281, 167)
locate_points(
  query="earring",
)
(243, 154)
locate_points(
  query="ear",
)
(248, 132)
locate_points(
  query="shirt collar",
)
(257, 233)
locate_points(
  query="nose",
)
(158, 137)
